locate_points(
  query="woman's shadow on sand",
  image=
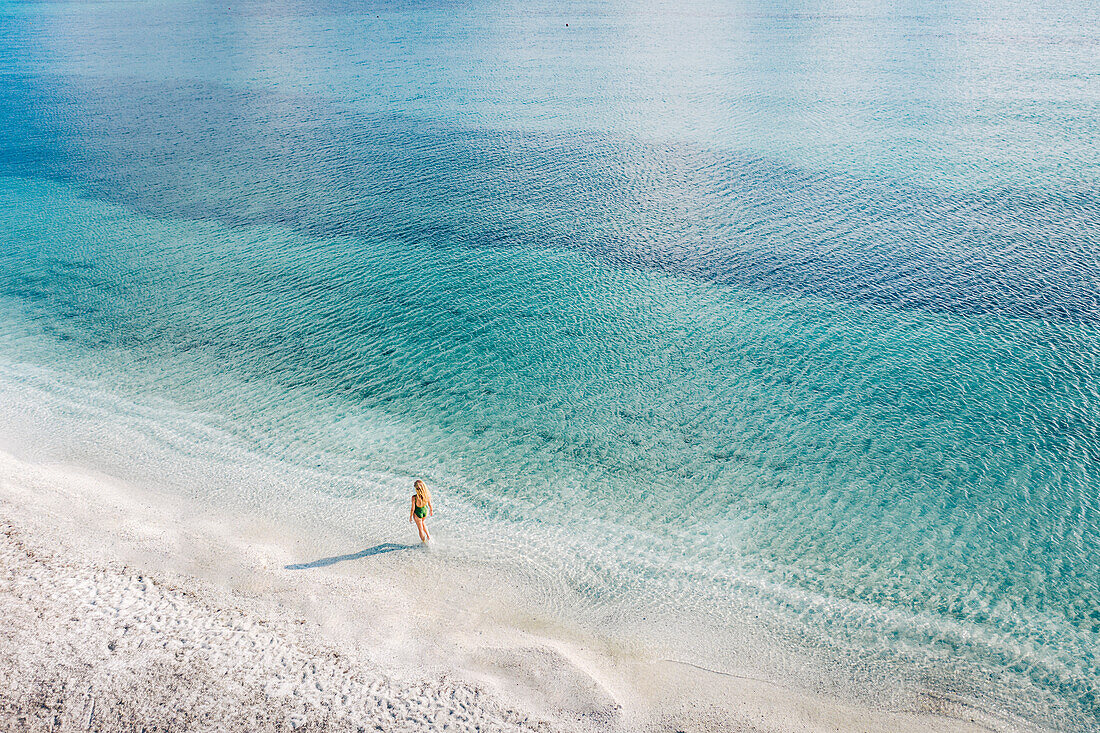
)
(376, 550)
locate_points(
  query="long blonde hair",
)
(422, 492)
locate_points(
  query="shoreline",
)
(136, 602)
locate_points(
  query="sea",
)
(769, 328)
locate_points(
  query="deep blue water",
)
(778, 313)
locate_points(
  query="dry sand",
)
(125, 610)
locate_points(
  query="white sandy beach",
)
(129, 611)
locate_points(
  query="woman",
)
(421, 508)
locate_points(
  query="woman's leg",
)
(421, 529)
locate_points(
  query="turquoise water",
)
(776, 317)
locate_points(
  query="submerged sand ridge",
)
(123, 612)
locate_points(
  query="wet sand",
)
(127, 610)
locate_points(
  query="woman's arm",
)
(412, 510)
(431, 509)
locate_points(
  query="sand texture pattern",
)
(106, 648)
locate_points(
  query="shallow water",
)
(781, 316)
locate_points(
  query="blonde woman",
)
(421, 509)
